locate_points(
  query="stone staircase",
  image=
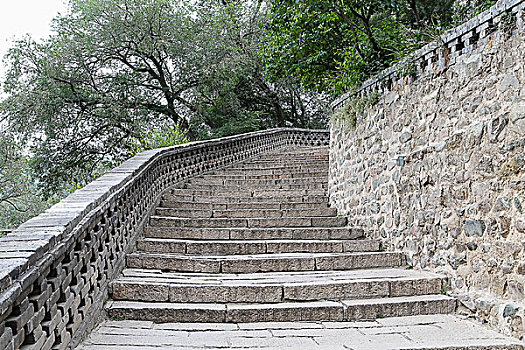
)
(257, 242)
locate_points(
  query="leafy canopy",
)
(19, 198)
(333, 46)
(117, 70)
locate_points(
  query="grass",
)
(354, 106)
(116, 319)
(443, 288)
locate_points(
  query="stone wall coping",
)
(23, 247)
(442, 52)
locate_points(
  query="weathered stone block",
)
(474, 228)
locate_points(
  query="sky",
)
(20, 17)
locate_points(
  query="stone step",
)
(166, 221)
(280, 262)
(294, 160)
(294, 156)
(422, 332)
(148, 285)
(284, 157)
(240, 188)
(277, 168)
(309, 233)
(247, 193)
(323, 150)
(299, 152)
(225, 174)
(321, 199)
(229, 184)
(286, 163)
(236, 247)
(245, 205)
(265, 174)
(231, 181)
(353, 310)
(306, 150)
(245, 213)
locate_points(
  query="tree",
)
(12, 168)
(241, 99)
(314, 40)
(333, 46)
(18, 198)
(114, 69)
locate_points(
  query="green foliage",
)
(19, 198)
(118, 319)
(94, 85)
(226, 126)
(92, 94)
(508, 22)
(352, 108)
(333, 46)
(346, 115)
(240, 99)
(443, 288)
(165, 137)
(464, 10)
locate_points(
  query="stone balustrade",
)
(437, 55)
(55, 269)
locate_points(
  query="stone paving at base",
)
(413, 332)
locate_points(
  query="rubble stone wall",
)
(436, 169)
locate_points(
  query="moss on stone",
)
(354, 106)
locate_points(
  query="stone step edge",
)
(353, 310)
(225, 173)
(254, 241)
(246, 210)
(264, 256)
(290, 164)
(286, 181)
(258, 246)
(281, 169)
(278, 262)
(255, 222)
(321, 205)
(248, 193)
(316, 186)
(246, 203)
(158, 289)
(199, 213)
(200, 198)
(228, 233)
(321, 178)
(283, 160)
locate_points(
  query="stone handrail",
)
(440, 53)
(55, 268)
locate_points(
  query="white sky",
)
(20, 17)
